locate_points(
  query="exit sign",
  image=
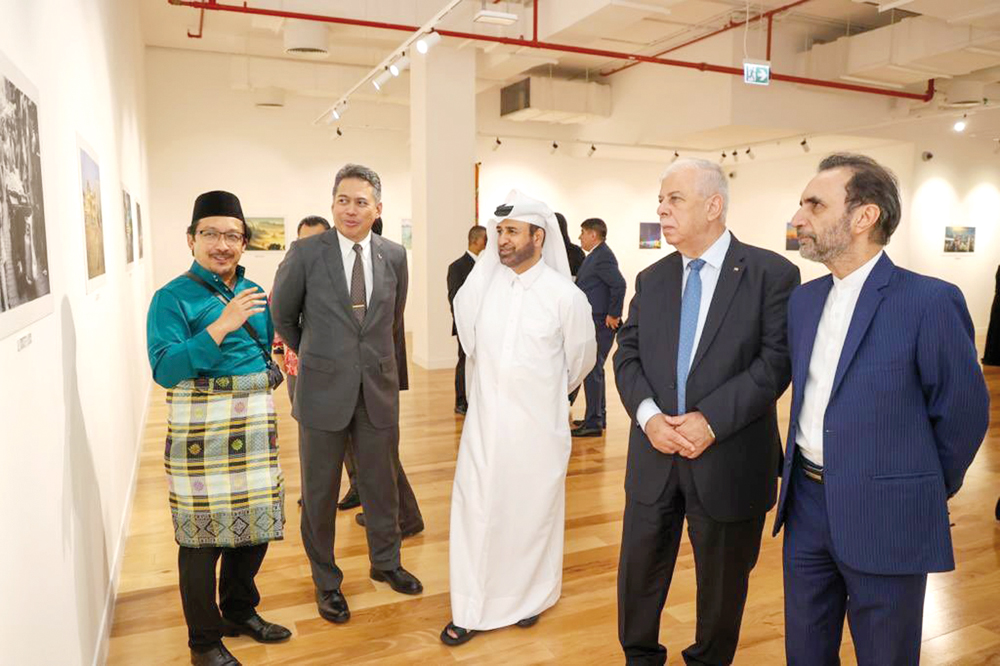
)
(756, 72)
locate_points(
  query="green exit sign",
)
(756, 73)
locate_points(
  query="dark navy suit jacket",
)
(602, 282)
(907, 413)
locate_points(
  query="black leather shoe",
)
(217, 656)
(583, 431)
(351, 500)
(528, 621)
(461, 409)
(399, 579)
(406, 534)
(333, 606)
(256, 628)
(577, 423)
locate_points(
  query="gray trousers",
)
(349, 461)
(385, 492)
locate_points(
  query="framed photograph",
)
(93, 222)
(649, 236)
(266, 234)
(25, 293)
(129, 242)
(407, 234)
(959, 240)
(791, 238)
(138, 227)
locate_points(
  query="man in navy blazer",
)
(604, 285)
(889, 407)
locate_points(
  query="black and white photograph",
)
(129, 243)
(24, 266)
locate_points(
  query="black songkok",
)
(217, 204)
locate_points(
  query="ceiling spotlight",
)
(495, 17)
(380, 80)
(427, 42)
(961, 124)
(593, 149)
(332, 116)
(752, 155)
(723, 158)
(736, 156)
(674, 158)
(400, 65)
(339, 132)
(805, 145)
(497, 144)
(555, 146)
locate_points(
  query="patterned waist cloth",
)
(226, 486)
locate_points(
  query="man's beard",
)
(829, 245)
(518, 256)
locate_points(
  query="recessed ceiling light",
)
(495, 17)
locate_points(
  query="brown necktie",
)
(358, 286)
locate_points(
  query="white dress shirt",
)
(830, 335)
(347, 252)
(713, 258)
(474, 256)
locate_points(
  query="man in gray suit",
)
(338, 302)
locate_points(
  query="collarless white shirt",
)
(827, 348)
(710, 272)
(347, 252)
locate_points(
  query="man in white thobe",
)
(529, 339)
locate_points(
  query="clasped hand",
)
(686, 435)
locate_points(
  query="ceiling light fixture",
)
(380, 80)
(427, 42)
(400, 65)
(736, 156)
(723, 158)
(494, 17)
(593, 149)
(339, 133)
(961, 124)
(555, 147)
(752, 155)
(805, 145)
(497, 144)
(675, 157)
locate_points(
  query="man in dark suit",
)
(889, 407)
(338, 303)
(604, 285)
(458, 270)
(701, 361)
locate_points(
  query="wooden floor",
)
(961, 625)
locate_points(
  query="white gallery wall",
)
(206, 135)
(72, 400)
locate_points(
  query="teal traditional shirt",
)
(178, 343)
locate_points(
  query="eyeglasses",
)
(212, 236)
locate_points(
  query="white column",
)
(443, 156)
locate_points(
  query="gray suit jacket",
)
(311, 308)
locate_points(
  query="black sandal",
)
(461, 635)
(528, 621)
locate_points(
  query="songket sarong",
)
(226, 486)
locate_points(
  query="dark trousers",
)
(724, 556)
(386, 495)
(349, 462)
(238, 596)
(885, 613)
(593, 385)
(460, 399)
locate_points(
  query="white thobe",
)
(534, 343)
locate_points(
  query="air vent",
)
(515, 97)
(549, 100)
(307, 38)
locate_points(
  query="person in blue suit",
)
(604, 285)
(889, 406)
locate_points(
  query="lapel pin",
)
(736, 269)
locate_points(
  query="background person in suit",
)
(889, 407)
(604, 285)
(352, 354)
(701, 361)
(458, 271)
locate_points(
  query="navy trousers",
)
(884, 613)
(593, 384)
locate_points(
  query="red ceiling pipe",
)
(564, 48)
(201, 27)
(769, 15)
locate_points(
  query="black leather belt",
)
(812, 471)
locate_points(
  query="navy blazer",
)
(739, 370)
(907, 413)
(602, 282)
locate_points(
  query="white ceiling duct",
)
(309, 38)
(964, 94)
(269, 98)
